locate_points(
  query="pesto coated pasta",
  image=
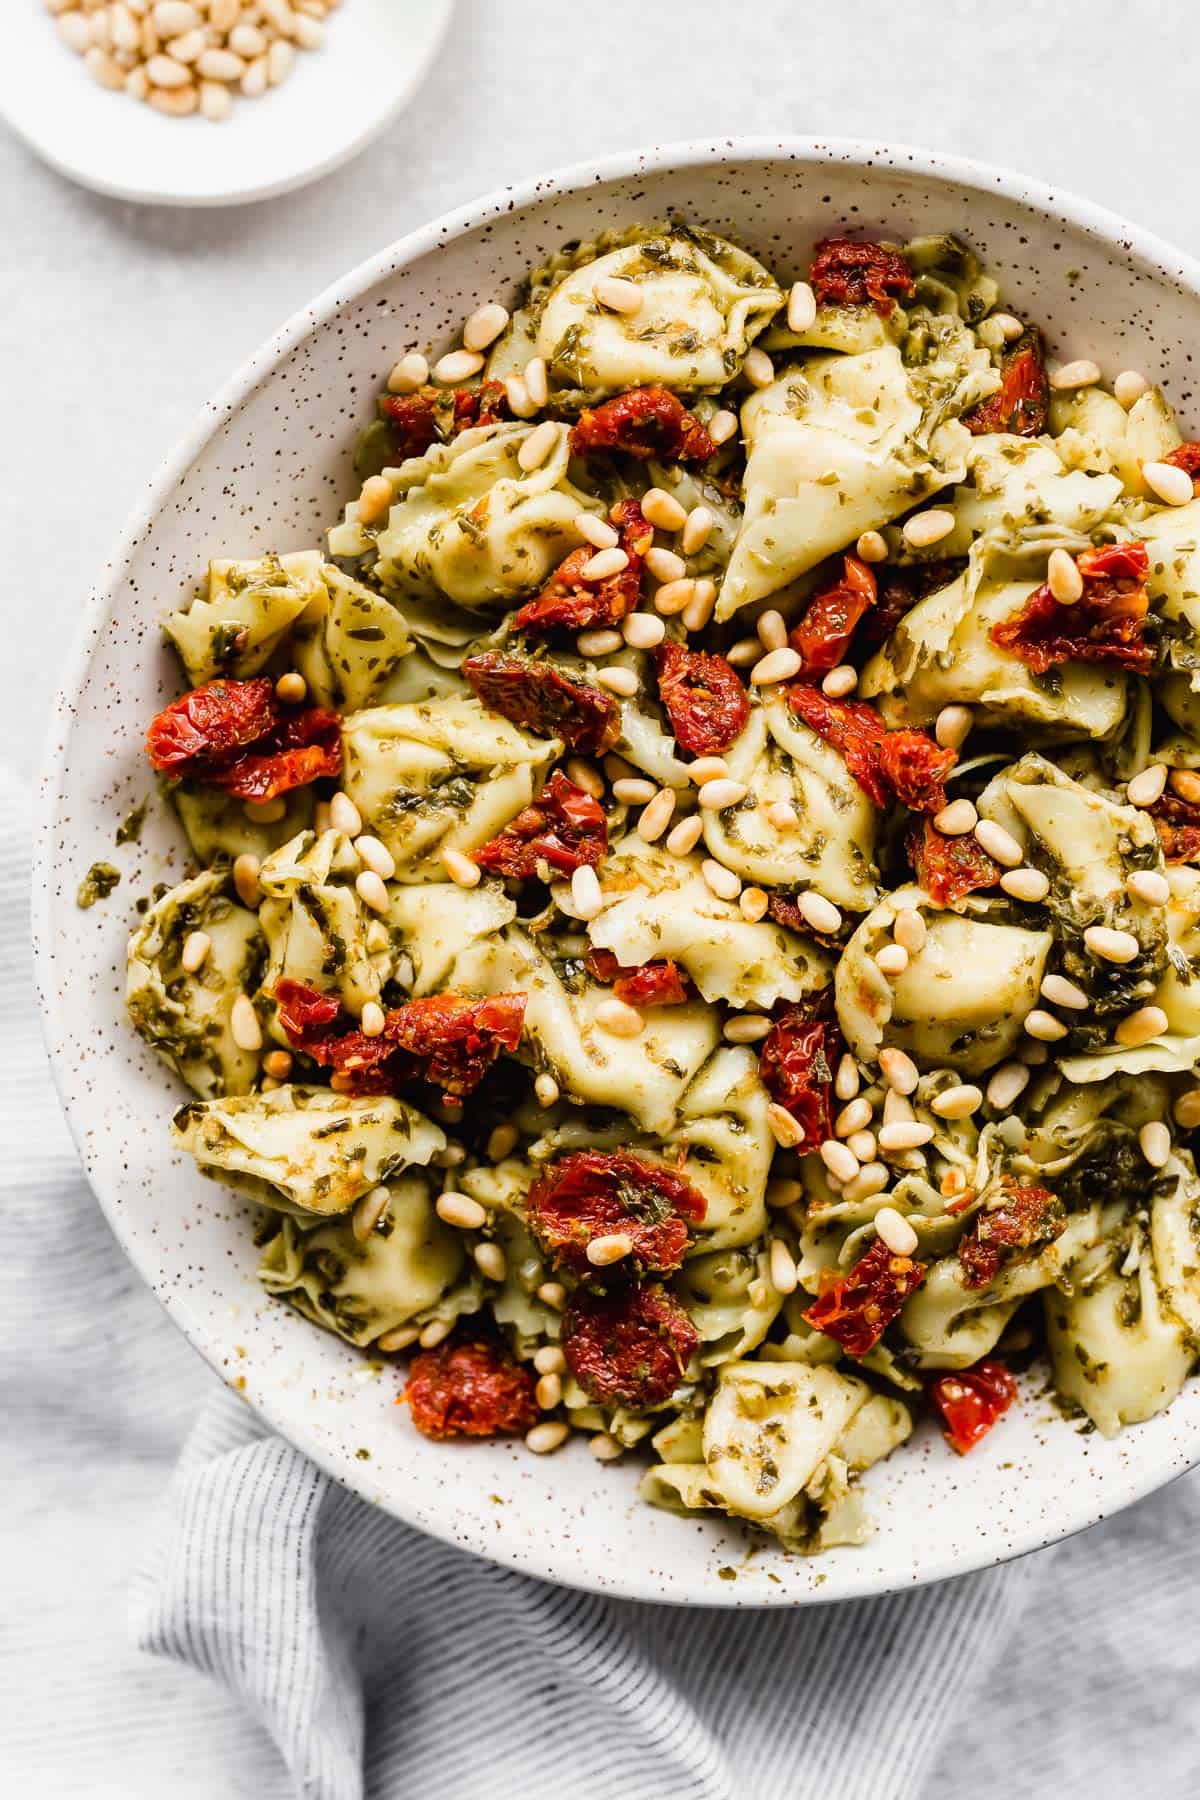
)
(693, 935)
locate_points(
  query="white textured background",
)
(116, 323)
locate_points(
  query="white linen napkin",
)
(384, 1665)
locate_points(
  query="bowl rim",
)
(537, 1556)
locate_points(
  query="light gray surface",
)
(117, 323)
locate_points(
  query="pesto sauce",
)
(97, 884)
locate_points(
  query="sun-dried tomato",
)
(785, 910)
(574, 601)
(949, 868)
(704, 699)
(211, 724)
(660, 983)
(470, 1387)
(304, 746)
(914, 768)
(238, 736)
(1178, 824)
(1022, 1218)
(901, 586)
(442, 1039)
(541, 697)
(307, 1016)
(1107, 624)
(594, 1193)
(1187, 457)
(831, 618)
(796, 1063)
(644, 422)
(852, 728)
(857, 1308)
(844, 273)
(1022, 402)
(971, 1400)
(628, 1348)
(434, 415)
(564, 829)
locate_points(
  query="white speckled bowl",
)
(266, 467)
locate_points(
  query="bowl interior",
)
(267, 468)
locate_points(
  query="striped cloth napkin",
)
(385, 1665)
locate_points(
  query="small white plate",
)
(375, 54)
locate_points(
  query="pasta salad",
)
(695, 916)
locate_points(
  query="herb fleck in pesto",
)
(97, 884)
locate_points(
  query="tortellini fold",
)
(314, 922)
(247, 610)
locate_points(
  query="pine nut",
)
(281, 60)
(899, 1071)
(1147, 787)
(746, 1028)
(617, 295)
(776, 665)
(597, 532)
(291, 688)
(491, 1261)
(839, 1159)
(871, 547)
(549, 1360)
(102, 68)
(663, 510)
(484, 326)
(957, 1102)
(547, 1437)
(548, 1392)
(619, 1020)
(243, 1024)
(1110, 945)
(1063, 578)
(697, 530)
(846, 1080)
(708, 768)
(171, 17)
(1185, 783)
(952, 726)
(598, 643)
(75, 31)
(956, 819)
(746, 651)
(585, 893)
(1171, 485)
(196, 946)
(758, 368)
(546, 1090)
(552, 1294)
(684, 837)
(863, 1145)
(1141, 1027)
(782, 1267)
(377, 857)
(715, 796)
(783, 1192)
(308, 33)
(786, 1131)
(374, 500)
(699, 609)
(265, 812)
(854, 1116)
(1007, 1084)
(611, 1248)
(910, 930)
(605, 562)
(673, 596)
(782, 815)
(840, 681)
(604, 1448)
(896, 1231)
(904, 1134)
(1061, 992)
(368, 1212)
(643, 631)
(1044, 1027)
(371, 890)
(1026, 884)
(1000, 845)
(772, 630)
(165, 72)
(817, 911)
(245, 879)
(618, 681)
(928, 528)
(801, 307)
(1187, 1109)
(456, 366)
(344, 816)
(277, 1064)
(372, 1020)
(722, 426)
(1154, 1140)
(1149, 886)
(872, 1178)
(502, 1142)
(1129, 387)
(186, 48)
(537, 380)
(461, 870)
(892, 960)
(664, 565)
(1034, 1053)
(400, 1339)
(656, 816)
(534, 452)
(633, 790)
(1079, 374)
(410, 373)
(461, 1210)
(753, 903)
(896, 1108)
